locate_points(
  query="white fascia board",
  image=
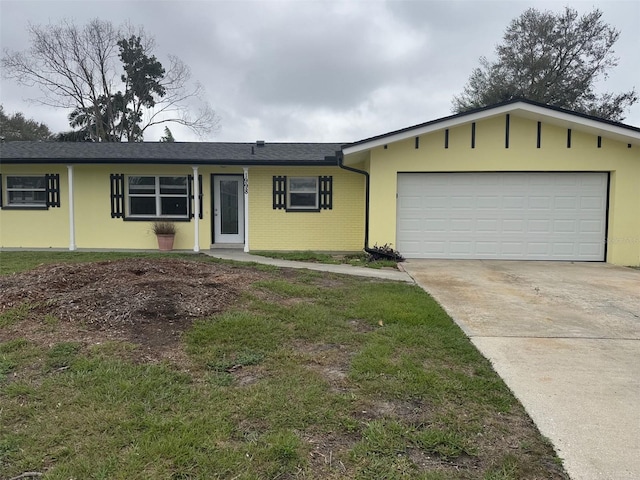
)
(424, 129)
(569, 120)
(519, 108)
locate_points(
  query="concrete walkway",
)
(240, 256)
(565, 337)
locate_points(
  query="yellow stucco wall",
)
(490, 155)
(96, 229)
(36, 228)
(339, 229)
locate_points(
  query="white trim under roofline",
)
(527, 110)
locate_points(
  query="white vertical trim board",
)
(196, 209)
(72, 221)
(245, 172)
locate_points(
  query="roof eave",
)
(524, 108)
(328, 161)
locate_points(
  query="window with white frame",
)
(302, 193)
(157, 196)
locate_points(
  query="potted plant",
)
(165, 232)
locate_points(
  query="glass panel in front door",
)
(229, 207)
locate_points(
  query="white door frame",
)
(237, 235)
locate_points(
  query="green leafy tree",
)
(90, 122)
(142, 79)
(81, 68)
(15, 127)
(168, 136)
(554, 59)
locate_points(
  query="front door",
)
(228, 209)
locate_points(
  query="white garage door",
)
(525, 216)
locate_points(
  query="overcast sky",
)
(312, 70)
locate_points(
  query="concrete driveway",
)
(565, 337)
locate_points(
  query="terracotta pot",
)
(165, 242)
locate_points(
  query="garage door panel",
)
(590, 203)
(512, 226)
(460, 225)
(409, 227)
(562, 249)
(410, 202)
(538, 248)
(490, 202)
(539, 203)
(588, 249)
(461, 248)
(430, 201)
(461, 202)
(462, 180)
(565, 226)
(539, 226)
(590, 226)
(565, 203)
(487, 248)
(487, 225)
(435, 225)
(593, 180)
(434, 248)
(556, 216)
(509, 179)
(512, 248)
(514, 202)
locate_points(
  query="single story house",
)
(518, 180)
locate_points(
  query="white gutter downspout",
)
(196, 209)
(72, 224)
(245, 186)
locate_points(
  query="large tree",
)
(17, 127)
(109, 78)
(551, 58)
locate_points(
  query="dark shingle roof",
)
(202, 153)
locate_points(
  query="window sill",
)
(156, 219)
(292, 210)
(25, 207)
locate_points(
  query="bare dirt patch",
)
(331, 361)
(146, 302)
(149, 303)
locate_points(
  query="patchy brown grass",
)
(149, 302)
(253, 373)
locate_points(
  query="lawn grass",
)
(360, 259)
(18, 261)
(313, 376)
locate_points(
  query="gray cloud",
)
(314, 70)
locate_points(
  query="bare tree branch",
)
(79, 68)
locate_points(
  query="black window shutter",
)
(279, 192)
(117, 195)
(1, 191)
(190, 193)
(326, 192)
(53, 189)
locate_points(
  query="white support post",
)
(245, 186)
(72, 221)
(196, 210)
